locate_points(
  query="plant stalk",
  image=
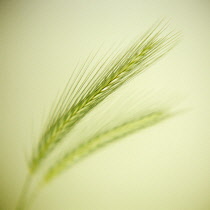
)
(23, 198)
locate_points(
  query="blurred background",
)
(161, 168)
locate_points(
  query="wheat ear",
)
(137, 58)
(102, 139)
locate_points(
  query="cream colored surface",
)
(163, 168)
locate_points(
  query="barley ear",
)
(102, 139)
(100, 83)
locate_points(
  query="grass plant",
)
(84, 91)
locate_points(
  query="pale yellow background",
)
(166, 167)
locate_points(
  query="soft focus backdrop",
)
(161, 168)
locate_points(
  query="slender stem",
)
(21, 204)
(32, 197)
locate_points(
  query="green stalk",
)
(23, 199)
